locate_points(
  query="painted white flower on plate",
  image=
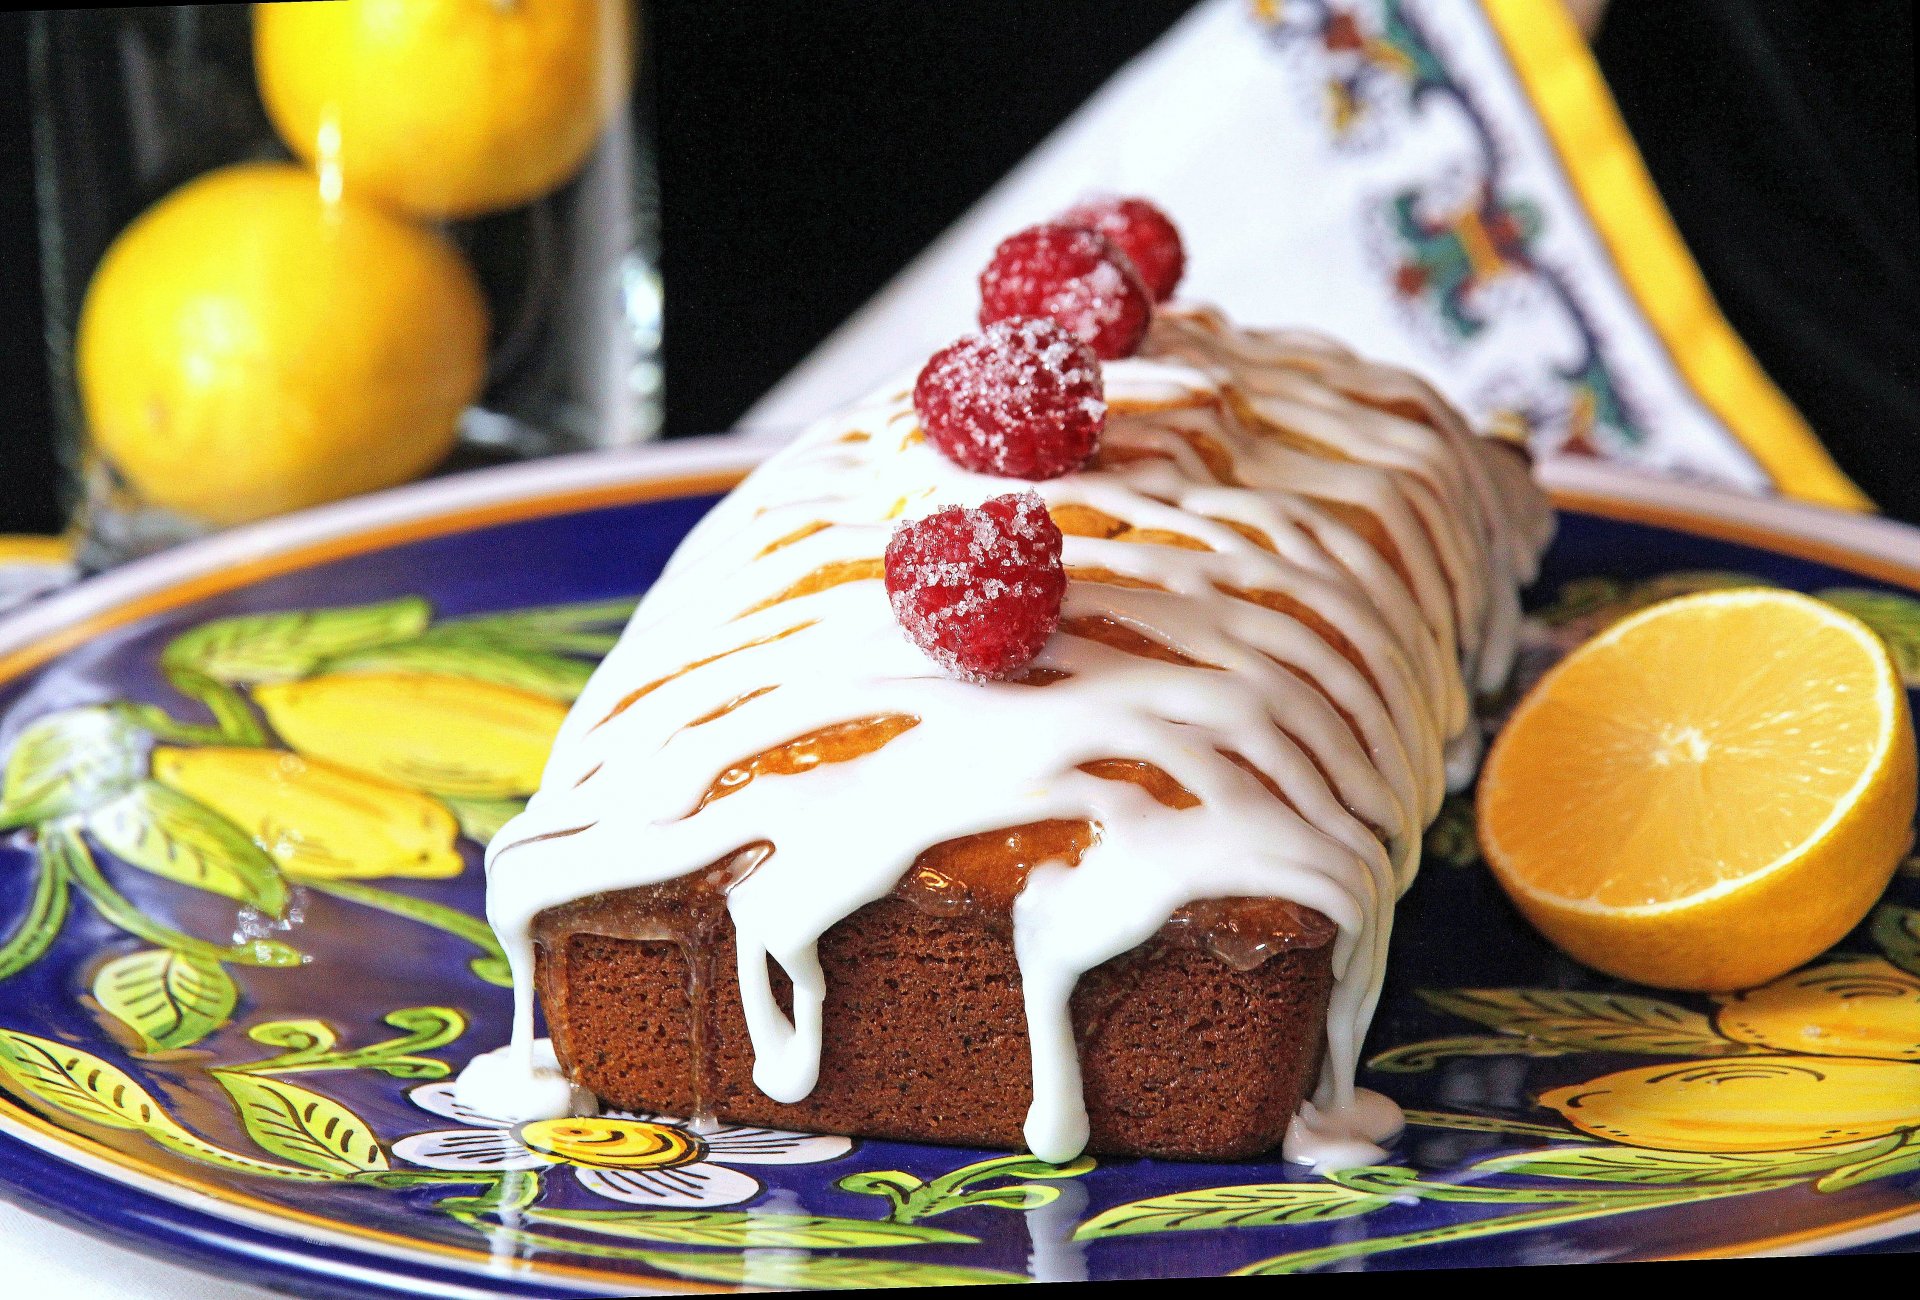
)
(648, 1160)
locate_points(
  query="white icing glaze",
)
(1344, 1138)
(1407, 536)
(524, 1082)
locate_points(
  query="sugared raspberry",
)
(1074, 275)
(1143, 232)
(978, 590)
(1022, 398)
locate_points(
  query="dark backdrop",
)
(807, 152)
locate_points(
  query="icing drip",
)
(1290, 571)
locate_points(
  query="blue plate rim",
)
(268, 1241)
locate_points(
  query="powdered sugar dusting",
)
(978, 590)
(1022, 399)
(1143, 232)
(1075, 275)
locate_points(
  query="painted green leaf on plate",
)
(1895, 617)
(79, 1083)
(70, 762)
(481, 819)
(1596, 1022)
(1619, 1164)
(450, 654)
(254, 648)
(46, 913)
(158, 829)
(169, 999)
(1255, 1205)
(297, 1124)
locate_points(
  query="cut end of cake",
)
(925, 1039)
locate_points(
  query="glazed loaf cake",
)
(1135, 898)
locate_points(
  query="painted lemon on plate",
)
(446, 735)
(1854, 1006)
(317, 820)
(443, 108)
(1709, 793)
(248, 347)
(1745, 1103)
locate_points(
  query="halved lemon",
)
(1709, 793)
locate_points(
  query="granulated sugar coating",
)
(1076, 276)
(1143, 232)
(978, 590)
(1022, 399)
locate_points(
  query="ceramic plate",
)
(325, 716)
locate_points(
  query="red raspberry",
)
(1022, 398)
(1075, 276)
(1143, 232)
(978, 590)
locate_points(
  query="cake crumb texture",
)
(925, 1036)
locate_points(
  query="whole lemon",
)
(247, 347)
(445, 108)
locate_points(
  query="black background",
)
(806, 152)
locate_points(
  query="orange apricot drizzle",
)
(827, 575)
(1163, 537)
(1110, 577)
(1117, 635)
(1248, 531)
(549, 835)
(1217, 459)
(1155, 780)
(988, 870)
(1086, 521)
(1036, 676)
(1309, 680)
(1405, 408)
(839, 743)
(1190, 400)
(729, 706)
(1371, 531)
(633, 697)
(1281, 603)
(1112, 455)
(1267, 783)
(797, 535)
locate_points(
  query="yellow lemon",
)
(608, 1142)
(247, 347)
(1856, 1006)
(314, 819)
(448, 735)
(1745, 1103)
(1708, 794)
(445, 108)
